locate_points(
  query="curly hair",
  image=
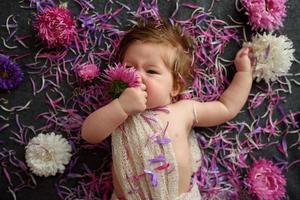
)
(164, 33)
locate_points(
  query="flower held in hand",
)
(118, 78)
(272, 56)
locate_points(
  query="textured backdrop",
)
(45, 188)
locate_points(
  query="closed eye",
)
(150, 71)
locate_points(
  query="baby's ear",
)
(176, 89)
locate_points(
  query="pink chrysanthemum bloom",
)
(118, 78)
(265, 14)
(265, 180)
(54, 26)
(88, 72)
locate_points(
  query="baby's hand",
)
(242, 60)
(133, 100)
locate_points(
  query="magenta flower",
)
(88, 72)
(265, 14)
(54, 26)
(265, 180)
(118, 78)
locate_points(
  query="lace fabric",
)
(144, 160)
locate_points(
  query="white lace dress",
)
(144, 160)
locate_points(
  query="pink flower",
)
(54, 26)
(118, 78)
(88, 72)
(265, 14)
(265, 180)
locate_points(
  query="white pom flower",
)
(273, 56)
(46, 154)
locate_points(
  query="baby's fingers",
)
(142, 86)
(139, 79)
(243, 52)
(145, 94)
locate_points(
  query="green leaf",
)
(116, 88)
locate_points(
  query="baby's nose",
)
(141, 77)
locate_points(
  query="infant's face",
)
(149, 60)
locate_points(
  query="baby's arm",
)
(233, 98)
(102, 122)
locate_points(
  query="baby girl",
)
(155, 151)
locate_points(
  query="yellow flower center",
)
(4, 74)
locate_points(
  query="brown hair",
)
(164, 33)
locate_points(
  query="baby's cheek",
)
(150, 91)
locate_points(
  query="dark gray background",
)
(45, 188)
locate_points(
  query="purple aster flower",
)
(10, 74)
(118, 78)
(265, 180)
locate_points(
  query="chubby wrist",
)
(245, 73)
(244, 76)
(244, 68)
(120, 107)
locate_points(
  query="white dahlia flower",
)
(272, 56)
(46, 154)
